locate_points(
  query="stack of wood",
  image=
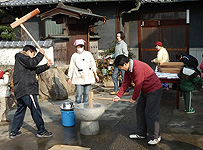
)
(170, 67)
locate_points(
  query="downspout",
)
(138, 4)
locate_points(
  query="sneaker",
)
(7, 120)
(13, 134)
(136, 136)
(113, 93)
(190, 111)
(44, 134)
(191, 108)
(155, 141)
(126, 93)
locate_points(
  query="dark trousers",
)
(31, 102)
(187, 95)
(147, 113)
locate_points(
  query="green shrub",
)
(6, 33)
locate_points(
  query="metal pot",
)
(67, 106)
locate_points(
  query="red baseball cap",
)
(1, 73)
(158, 43)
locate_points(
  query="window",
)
(51, 28)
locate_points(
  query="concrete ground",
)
(179, 130)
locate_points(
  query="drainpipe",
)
(138, 4)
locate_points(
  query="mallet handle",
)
(28, 33)
(90, 99)
(102, 98)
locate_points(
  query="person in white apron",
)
(82, 71)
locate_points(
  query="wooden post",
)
(90, 98)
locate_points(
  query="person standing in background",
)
(4, 95)
(188, 80)
(162, 56)
(189, 61)
(120, 49)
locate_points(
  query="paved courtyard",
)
(178, 129)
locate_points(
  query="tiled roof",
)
(8, 44)
(165, 1)
(65, 9)
(12, 3)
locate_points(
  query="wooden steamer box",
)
(170, 67)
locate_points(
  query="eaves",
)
(167, 1)
(15, 3)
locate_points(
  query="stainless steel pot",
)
(67, 106)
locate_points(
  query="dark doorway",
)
(169, 27)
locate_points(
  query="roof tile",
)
(12, 3)
(9, 44)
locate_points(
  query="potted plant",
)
(106, 67)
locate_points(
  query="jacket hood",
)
(188, 71)
(24, 53)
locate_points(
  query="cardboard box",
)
(170, 67)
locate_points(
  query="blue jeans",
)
(115, 78)
(165, 85)
(82, 89)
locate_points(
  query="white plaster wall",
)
(7, 55)
(135, 51)
(198, 53)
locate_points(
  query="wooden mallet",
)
(91, 98)
(24, 19)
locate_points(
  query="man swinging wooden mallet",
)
(26, 89)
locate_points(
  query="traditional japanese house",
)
(176, 23)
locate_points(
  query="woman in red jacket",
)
(148, 105)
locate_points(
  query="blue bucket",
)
(68, 118)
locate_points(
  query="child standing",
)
(188, 79)
(4, 95)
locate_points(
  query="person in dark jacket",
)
(188, 79)
(149, 90)
(26, 89)
(189, 61)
